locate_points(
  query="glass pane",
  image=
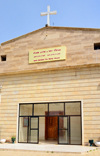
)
(72, 108)
(42, 128)
(26, 109)
(56, 109)
(75, 124)
(40, 109)
(33, 136)
(23, 129)
(62, 122)
(34, 123)
(63, 137)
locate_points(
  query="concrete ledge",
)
(52, 148)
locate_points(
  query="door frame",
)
(29, 120)
(68, 130)
(37, 129)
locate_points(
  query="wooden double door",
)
(51, 128)
(51, 125)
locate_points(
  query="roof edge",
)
(14, 39)
(51, 27)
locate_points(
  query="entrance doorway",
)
(51, 128)
(51, 125)
(60, 122)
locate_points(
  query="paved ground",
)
(47, 148)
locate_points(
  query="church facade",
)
(50, 86)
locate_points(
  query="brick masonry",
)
(76, 78)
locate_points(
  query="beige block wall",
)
(74, 84)
(79, 43)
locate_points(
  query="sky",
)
(18, 17)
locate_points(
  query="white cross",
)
(48, 13)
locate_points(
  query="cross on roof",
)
(48, 13)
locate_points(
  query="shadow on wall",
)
(98, 87)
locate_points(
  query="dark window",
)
(3, 57)
(96, 46)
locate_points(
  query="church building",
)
(50, 86)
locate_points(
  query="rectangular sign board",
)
(47, 55)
